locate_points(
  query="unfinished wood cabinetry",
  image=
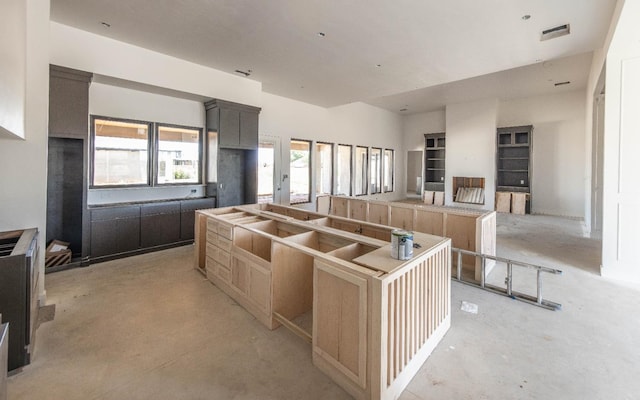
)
(371, 320)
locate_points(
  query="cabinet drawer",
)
(212, 238)
(223, 273)
(223, 258)
(224, 243)
(225, 230)
(212, 225)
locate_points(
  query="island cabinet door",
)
(340, 325)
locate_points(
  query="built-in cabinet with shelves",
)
(513, 163)
(434, 162)
(236, 128)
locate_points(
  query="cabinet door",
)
(187, 215)
(229, 133)
(115, 230)
(159, 224)
(260, 287)
(248, 130)
(239, 275)
(340, 321)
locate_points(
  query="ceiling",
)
(406, 54)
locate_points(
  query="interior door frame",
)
(277, 165)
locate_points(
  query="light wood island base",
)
(375, 319)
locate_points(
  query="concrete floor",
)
(151, 327)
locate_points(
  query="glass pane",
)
(120, 153)
(376, 168)
(388, 171)
(300, 182)
(178, 155)
(212, 156)
(266, 158)
(343, 186)
(324, 168)
(362, 154)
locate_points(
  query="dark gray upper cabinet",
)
(68, 102)
(236, 124)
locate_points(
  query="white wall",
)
(558, 153)
(24, 162)
(471, 147)
(621, 189)
(355, 124)
(416, 125)
(74, 48)
(13, 31)
(117, 102)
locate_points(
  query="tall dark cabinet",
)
(67, 154)
(236, 126)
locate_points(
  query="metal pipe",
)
(539, 298)
(483, 261)
(459, 266)
(509, 278)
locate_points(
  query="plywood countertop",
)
(381, 259)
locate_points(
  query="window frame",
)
(351, 182)
(392, 167)
(309, 171)
(92, 155)
(156, 151)
(379, 169)
(365, 169)
(317, 160)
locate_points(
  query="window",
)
(120, 152)
(387, 171)
(343, 186)
(178, 159)
(124, 152)
(266, 168)
(299, 171)
(324, 168)
(376, 170)
(362, 154)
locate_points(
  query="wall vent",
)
(562, 83)
(552, 33)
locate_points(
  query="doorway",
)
(597, 157)
(269, 170)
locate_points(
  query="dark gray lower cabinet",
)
(115, 230)
(159, 224)
(124, 230)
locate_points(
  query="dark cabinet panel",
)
(115, 230)
(159, 224)
(229, 128)
(68, 102)
(248, 130)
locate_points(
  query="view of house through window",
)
(362, 154)
(178, 155)
(299, 171)
(376, 170)
(120, 153)
(343, 169)
(387, 171)
(324, 168)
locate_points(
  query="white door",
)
(269, 170)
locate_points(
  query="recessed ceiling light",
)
(526, 17)
(105, 24)
(322, 34)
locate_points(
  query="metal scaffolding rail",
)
(508, 291)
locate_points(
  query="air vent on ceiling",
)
(562, 83)
(555, 32)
